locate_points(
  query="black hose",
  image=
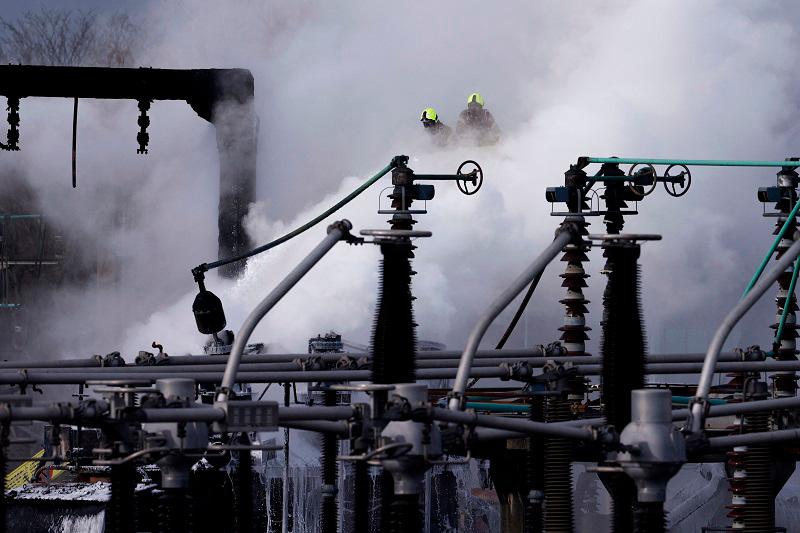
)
(308, 225)
(520, 310)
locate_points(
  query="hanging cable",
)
(74, 143)
(523, 304)
(513, 324)
(200, 269)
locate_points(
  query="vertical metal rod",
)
(74, 142)
(336, 232)
(285, 499)
(519, 284)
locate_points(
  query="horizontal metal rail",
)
(690, 162)
(67, 378)
(748, 439)
(521, 425)
(530, 355)
(729, 409)
(278, 373)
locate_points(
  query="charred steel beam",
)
(223, 97)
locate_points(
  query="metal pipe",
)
(748, 439)
(588, 365)
(188, 414)
(696, 368)
(336, 232)
(521, 425)
(321, 426)
(64, 378)
(728, 409)
(315, 413)
(534, 357)
(691, 162)
(496, 434)
(565, 234)
(733, 317)
(251, 367)
(51, 377)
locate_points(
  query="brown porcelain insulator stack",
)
(785, 348)
(573, 332)
(752, 507)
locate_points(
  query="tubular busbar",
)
(336, 232)
(565, 234)
(512, 424)
(704, 386)
(690, 162)
(715, 410)
(532, 355)
(337, 376)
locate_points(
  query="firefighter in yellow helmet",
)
(438, 130)
(476, 124)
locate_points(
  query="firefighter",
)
(476, 123)
(438, 130)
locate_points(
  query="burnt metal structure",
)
(223, 97)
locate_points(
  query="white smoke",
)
(339, 89)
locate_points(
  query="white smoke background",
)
(339, 89)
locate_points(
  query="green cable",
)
(308, 225)
(772, 249)
(498, 407)
(786, 304)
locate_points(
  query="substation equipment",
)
(223, 97)
(164, 448)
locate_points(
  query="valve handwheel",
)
(647, 189)
(473, 179)
(680, 187)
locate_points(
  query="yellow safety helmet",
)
(476, 98)
(429, 113)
